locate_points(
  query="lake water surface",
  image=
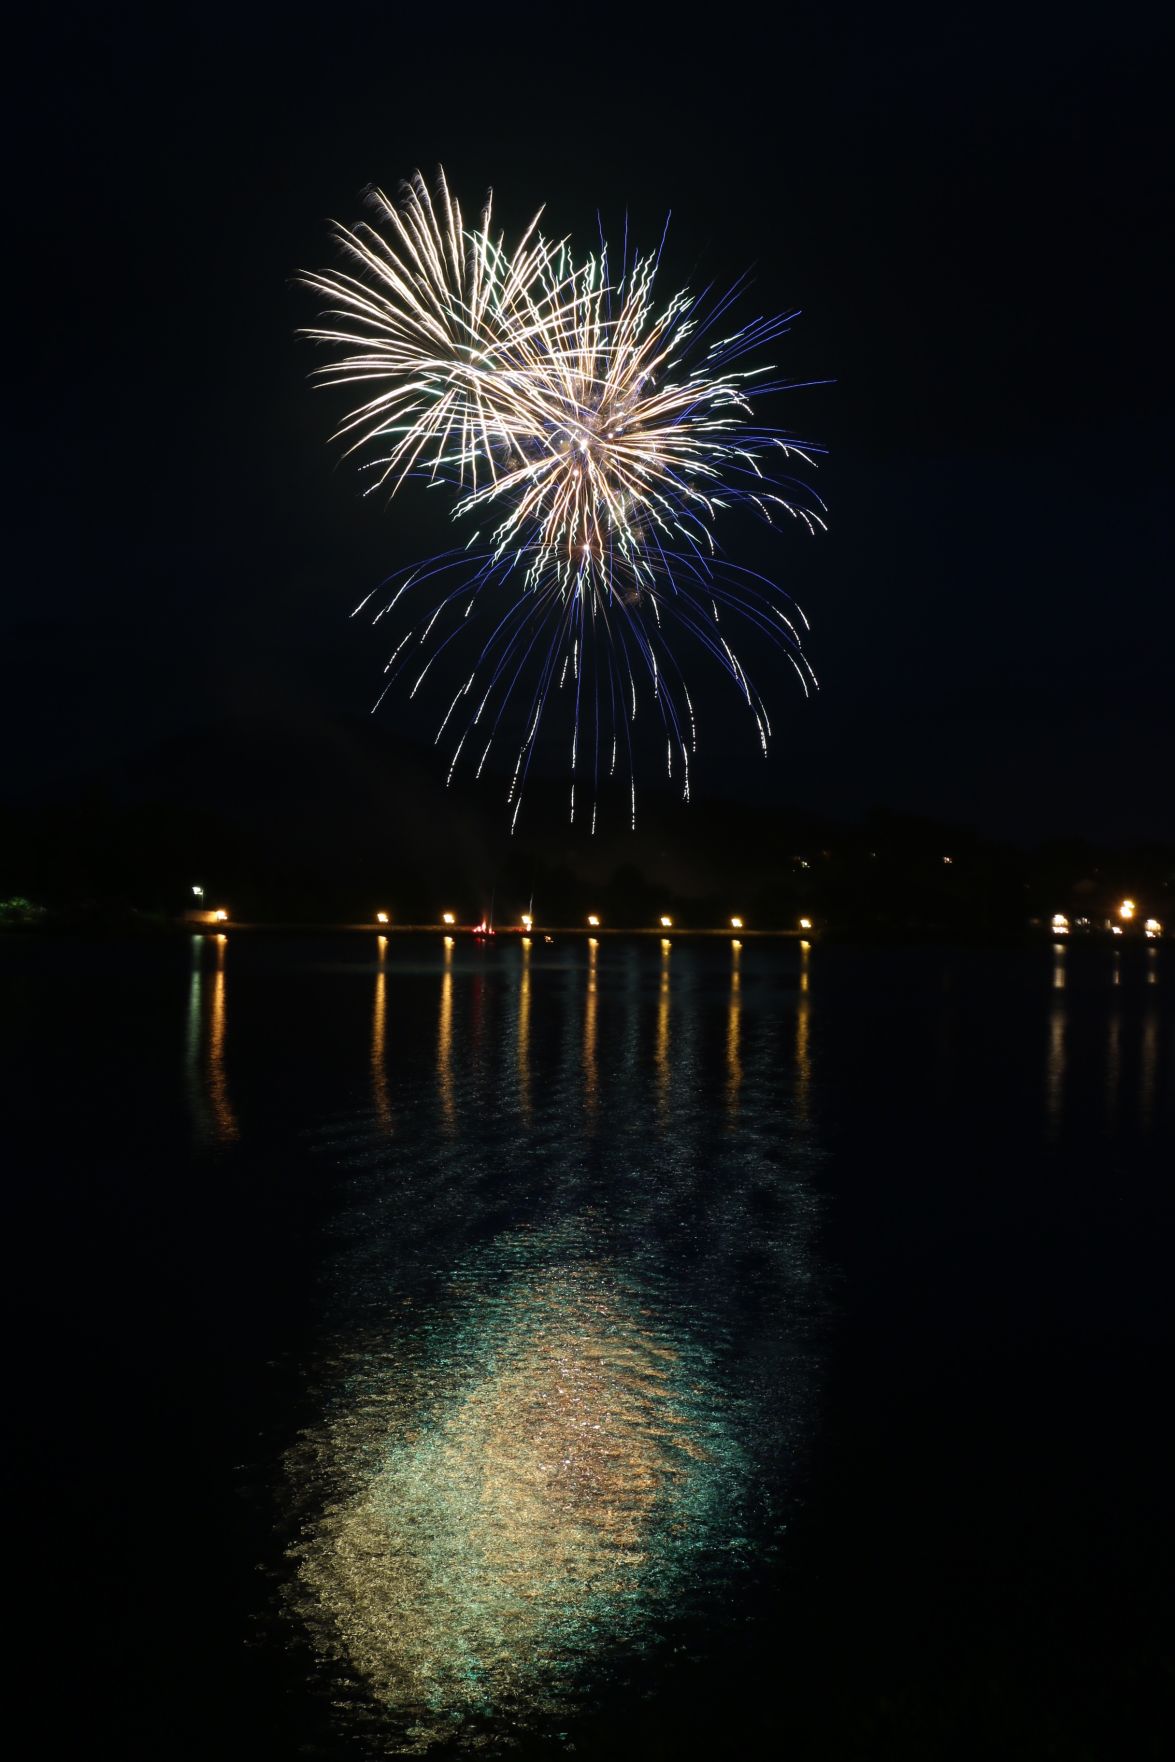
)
(610, 1348)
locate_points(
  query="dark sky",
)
(968, 210)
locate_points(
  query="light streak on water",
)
(734, 1069)
(524, 1031)
(591, 1075)
(380, 1087)
(445, 1040)
(664, 1067)
(803, 1035)
(206, 1078)
(222, 1107)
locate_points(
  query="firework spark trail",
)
(601, 432)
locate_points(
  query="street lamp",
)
(448, 918)
(805, 923)
(736, 923)
(1126, 910)
(381, 917)
(593, 921)
(197, 892)
(527, 921)
(221, 915)
(666, 923)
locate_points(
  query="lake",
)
(612, 1349)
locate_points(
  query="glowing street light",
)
(448, 918)
(736, 923)
(593, 921)
(1060, 924)
(221, 915)
(805, 923)
(381, 917)
(1153, 927)
(666, 923)
(1126, 910)
(197, 892)
(527, 921)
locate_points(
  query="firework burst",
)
(590, 437)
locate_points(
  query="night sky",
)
(969, 212)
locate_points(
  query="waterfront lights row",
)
(1127, 911)
(526, 921)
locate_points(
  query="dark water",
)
(618, 1351)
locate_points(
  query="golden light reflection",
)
(222, 1108)
(524, 1030)
(734, 1069)
(380, 1088)
(662, 1055)
(510, 1500)
(591, 999)
(803, 1033)
(1059, 966)
(445, 1039)
(197, 1096)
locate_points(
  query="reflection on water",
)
(803, 1029)
(1055, 1064)
(536, 1455)
(380, 1090)
(662, 1054)
(527, 1484)
(574, 1327)
(207, 1084)
(734, 1069)
(524, 1031)
(445, 1040)
(591, 1000)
